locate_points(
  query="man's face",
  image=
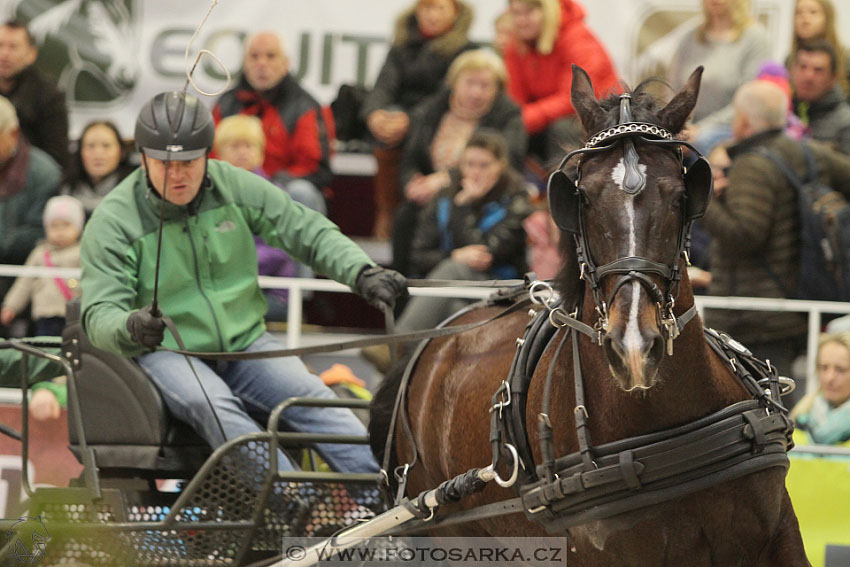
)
(811, 77)
(16, 53)
(183, 179)
(264, 64)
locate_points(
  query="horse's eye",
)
(677, 204)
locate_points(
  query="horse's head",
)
(629, 206)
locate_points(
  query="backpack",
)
(825, 234)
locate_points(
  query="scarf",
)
(13, 175)
(826, 424)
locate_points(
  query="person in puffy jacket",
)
(549, 36)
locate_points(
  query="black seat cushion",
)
(123, 415)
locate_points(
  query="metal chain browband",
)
(628, 129)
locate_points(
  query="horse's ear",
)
(675, 114)
(584, 100)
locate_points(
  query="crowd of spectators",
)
(459, 132)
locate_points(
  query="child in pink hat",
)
(63, 224)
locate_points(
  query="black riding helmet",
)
(174, 126)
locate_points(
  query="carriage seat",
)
(124, 418)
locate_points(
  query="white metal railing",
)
(296, 287)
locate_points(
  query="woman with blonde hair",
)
(731, 47)
(824, 415)
(815, 20)
(473, 98)
(549, 36)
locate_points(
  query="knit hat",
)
(775, 73)
(64, 207)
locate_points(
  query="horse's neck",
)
(693, 383)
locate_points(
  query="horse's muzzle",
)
(634, 366)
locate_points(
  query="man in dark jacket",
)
(41, 109)
(754, 224)
(297, 146)
(818, 99)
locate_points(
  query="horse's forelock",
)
(644, 104)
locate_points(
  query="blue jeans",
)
(244, 390)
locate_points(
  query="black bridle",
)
(567, 202)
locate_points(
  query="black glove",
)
(146, 328)
(380, 286)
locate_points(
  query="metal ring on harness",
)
(490, 471)
(546, 300)
(786, 385)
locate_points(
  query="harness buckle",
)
(668, 321)
(505, 401)
(602, 323)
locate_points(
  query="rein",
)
(508, 289)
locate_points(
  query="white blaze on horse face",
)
(618, 174)
(632, 338)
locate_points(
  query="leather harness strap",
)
(749, 433)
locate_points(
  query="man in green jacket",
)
(208, 281)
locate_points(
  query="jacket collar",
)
(754, 141)
(13, 173)
(22, 77)
(254, 99)
(824, 104)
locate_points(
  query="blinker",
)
(564, 201)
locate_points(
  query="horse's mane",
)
(645, 105)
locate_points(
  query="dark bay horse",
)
(634, 203)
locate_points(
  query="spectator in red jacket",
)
(548, 37)
(297, 148)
